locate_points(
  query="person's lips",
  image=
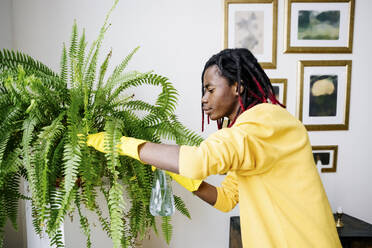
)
(207, 110)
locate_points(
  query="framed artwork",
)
(325, 158)
(324, 94)
(319, 26)
(252, 24)
(280, 89)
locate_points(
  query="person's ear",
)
(236, 85)
(241, 89)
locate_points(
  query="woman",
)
(265, 152)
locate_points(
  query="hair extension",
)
(239, 65)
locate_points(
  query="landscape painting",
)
(318, 25)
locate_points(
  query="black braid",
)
(239, 65)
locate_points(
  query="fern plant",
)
(46, 119)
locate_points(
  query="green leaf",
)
(181, 206)
(167, 228)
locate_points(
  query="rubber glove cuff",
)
(128, 146)
(189, 184)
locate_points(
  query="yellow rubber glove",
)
(128, 146)
(189, 184)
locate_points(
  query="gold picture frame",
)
(280, 89)
(326, 157)
(319, 26)
(324, 94)
(252, 24)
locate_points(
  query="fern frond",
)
(102, 71)
(166, 228)
(181, 206)
(104, 98)
(27, 153)
(115, 198)
(46, 141)
(90, 171)
(167, 100)
(10, 60)
(116, 208)
(84, 224)
(57, 239)
(73, 41)
(112, 137)
(103, 221)
(11, 164)
(89, 78)
(81, 53)
(119, 69)
(72, 54)
(140, 79)
(45, 99)
(61, 205)
(3, 144)
(64, 67)
(15, 91)
(56, 159)
(11, 197)
(13, 115)
(56, 199)
(188, 137)
(72, 158)
(136, 217)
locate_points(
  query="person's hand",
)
(189, 184)
(128, 146)
(97, 141)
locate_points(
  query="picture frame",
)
(252, 24)
(319, 26)
(280, 89)
(324, 94)
(325, 157)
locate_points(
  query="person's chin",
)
(214, 117)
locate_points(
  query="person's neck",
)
(233, 118)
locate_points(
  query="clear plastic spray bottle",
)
(161, 201)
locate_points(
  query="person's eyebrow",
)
(208, 85)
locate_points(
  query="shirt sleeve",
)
(244, 149)
(227, 194)
(259, 138)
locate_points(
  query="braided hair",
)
(239, 65)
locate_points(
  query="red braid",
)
(202, 120)
(263, 98)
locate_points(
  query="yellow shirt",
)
(271, 174)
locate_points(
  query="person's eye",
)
(210, 90)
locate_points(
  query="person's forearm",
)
(207, 193)
(160, 155)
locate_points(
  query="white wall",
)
(6, 28)
(12, 237)
(176, 39)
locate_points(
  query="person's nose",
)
(204, 98)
